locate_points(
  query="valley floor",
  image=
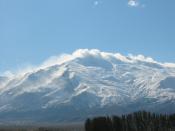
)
(44, 128)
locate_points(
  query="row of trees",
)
(138, 121)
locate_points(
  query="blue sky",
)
(33, 30)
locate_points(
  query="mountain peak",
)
(86, 55)
(88, 82)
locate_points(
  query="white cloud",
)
(172, 65)
(56, 60)
(82, 53)
(133, 3)
(141, 58)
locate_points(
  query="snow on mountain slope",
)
(86, 83)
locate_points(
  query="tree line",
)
(138, 121)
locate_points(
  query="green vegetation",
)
(138, 121)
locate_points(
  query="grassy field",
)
(63, 127)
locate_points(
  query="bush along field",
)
(138, 121)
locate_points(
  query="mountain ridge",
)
(88, 83)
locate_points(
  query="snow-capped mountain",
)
(87, 83)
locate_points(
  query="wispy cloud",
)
(83, 53)
(133, 3)
(96, 3)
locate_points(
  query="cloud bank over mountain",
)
(80, 53)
